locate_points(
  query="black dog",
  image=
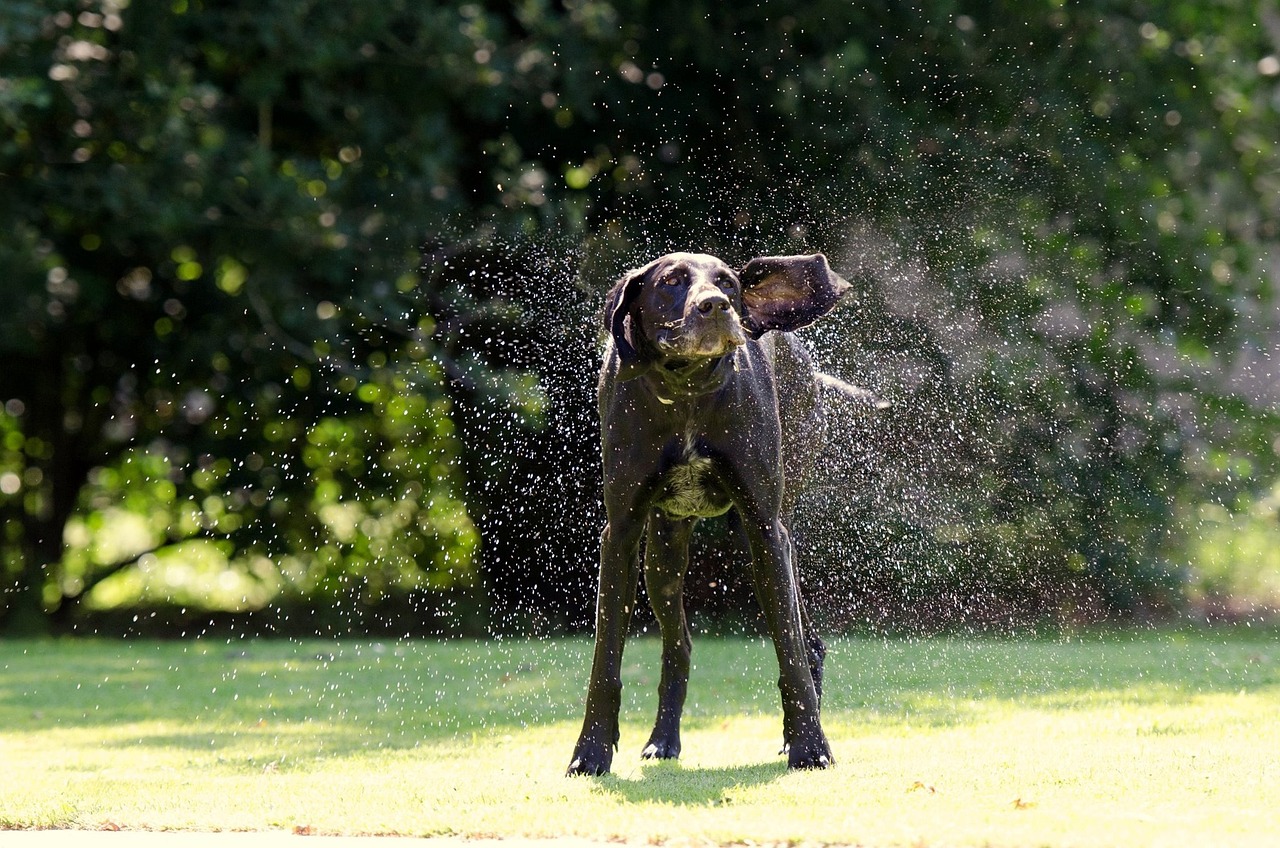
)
(707, 404)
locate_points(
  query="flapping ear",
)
(617, 306)
(786, 293)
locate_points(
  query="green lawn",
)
(1154, 739)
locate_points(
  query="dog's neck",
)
(681, 379)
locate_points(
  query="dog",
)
(708, 403)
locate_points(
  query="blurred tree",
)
(212, 218)
(1060, 216)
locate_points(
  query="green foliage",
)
(291, 283)
(208, 221)
(1237, 552)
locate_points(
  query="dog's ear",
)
(617, 307)
(786, 293)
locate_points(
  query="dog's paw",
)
(590, 760)
(589, 767)
(816, 756)
(658, 749)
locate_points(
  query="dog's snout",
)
(713, 303)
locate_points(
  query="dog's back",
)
(800, 412)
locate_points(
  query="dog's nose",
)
(713, 303)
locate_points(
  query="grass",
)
(1132, 740)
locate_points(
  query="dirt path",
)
(262, 839)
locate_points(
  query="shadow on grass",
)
(671, 783)
(331, 697)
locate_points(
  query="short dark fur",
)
(707, 403)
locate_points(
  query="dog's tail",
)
(857, 394)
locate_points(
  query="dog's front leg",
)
(615, 601)
(775, 585)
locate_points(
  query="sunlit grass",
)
(1158, 739)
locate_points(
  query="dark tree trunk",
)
(57, 416)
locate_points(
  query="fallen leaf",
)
(1023, 804)
(302, 830)
(920, 785)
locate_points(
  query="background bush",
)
(299, 300)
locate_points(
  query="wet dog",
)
(708, 403)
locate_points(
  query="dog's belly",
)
(690, 490)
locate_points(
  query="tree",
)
(1060, 218)
(214, 215)
(282, 275)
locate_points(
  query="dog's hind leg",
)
(815, 647)
(665, 562)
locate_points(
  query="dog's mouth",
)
(700, 338)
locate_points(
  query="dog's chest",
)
(690, 489)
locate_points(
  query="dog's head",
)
(684, 307)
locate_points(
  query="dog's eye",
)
(671, 280)
(727, 282)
